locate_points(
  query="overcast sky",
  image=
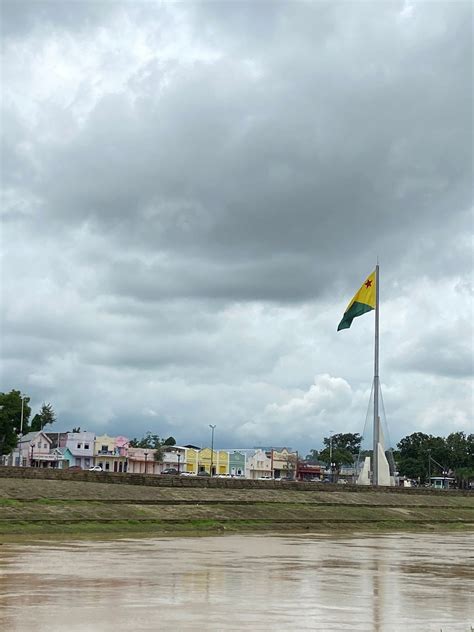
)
(193, 192)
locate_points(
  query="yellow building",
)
(191, 461)
(110, 453)
(219, 460)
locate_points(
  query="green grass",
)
(120, 528)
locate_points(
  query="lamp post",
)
(445, 473)
(20, 460)
(212, 427)
(330, 455)
(179, 460)
(145, 454)
(429, 468)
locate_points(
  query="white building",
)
(35, 450)
(81, 447)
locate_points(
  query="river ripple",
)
(396, 582)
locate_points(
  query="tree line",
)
(417, 456)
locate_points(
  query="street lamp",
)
(212, 427)
(445, 473)
(429, 468)
(330, 455)
(179, 460)
(145, 454)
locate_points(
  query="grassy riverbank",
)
(41, 507)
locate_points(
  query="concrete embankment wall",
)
(196, 482)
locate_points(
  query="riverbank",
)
(38, 506)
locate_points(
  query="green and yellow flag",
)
(363, 301)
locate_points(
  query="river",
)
(391, 582)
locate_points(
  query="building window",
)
(87, 462)
(45, 445)
(79, 446)
(86, 446)
(105, 448)
(107, 466)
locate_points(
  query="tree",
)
(460, 450)
(149, 442)
(169, 441)
(158, 454)
(312, 457)
(349, 441)
(10, 419)
(43, 418)
(345, 447)
(419, 453)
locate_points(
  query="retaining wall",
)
(202, 482)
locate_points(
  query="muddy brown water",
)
(395, 582)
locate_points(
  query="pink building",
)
(142, 461)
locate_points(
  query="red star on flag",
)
(368, 283)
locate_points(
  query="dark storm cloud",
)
(318, 155)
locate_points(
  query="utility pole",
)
(212, 427)
(429, 468)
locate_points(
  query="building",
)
(191, 461)
(174, 456)
(111, 453)
(142, 461)
(284, 462)
(309, 471)
(80, 449)
(35, 450)
(236, 463)
(214, 463)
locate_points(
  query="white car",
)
(95, 468)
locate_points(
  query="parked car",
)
(203, 474)
(74, 468)
(95, 468)
(171, 471)
(187, 474)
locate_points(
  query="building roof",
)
(53, 436)
(31, 436)
(274, 448)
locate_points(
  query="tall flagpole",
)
(375, 468)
